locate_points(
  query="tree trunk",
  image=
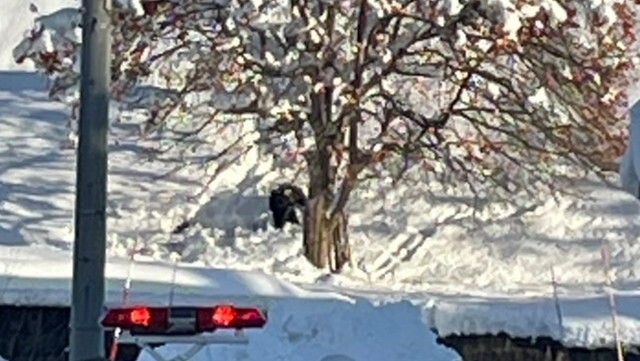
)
(325, 239)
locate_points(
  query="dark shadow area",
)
(230, 210)
(21, 81)
(502, 347)
(11, 236)
(41, 333)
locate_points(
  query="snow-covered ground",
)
(24, 282)
(302, 325)
(467, 265)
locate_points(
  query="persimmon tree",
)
(475, 91)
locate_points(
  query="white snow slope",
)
(467, 264)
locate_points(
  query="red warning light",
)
(148, 318)
(227, 316)
(161, 320)
(140, 316)
(224, 315)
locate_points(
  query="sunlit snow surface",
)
(302, 325)
(465, 265)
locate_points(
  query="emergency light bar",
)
(183, 320)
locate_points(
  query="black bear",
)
(283, 202)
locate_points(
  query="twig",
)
(556, 300)
(126, 290)
(206, 161)
(612, 303)
(174, 273)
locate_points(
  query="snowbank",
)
(302, 331)
(584, 321)
(42, 276)
(303, 325)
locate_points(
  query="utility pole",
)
(87, 337)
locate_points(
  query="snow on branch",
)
(136, 6)
(480, 90)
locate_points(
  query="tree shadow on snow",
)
(570, 233)
(32, 211)
(22, 81)
(10, 236)
(232, 209)
(228, 211)
(34, 174)
(37, 174)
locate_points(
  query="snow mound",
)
(23, 281)
(302, 325)
(334, 331)
(584, 321)
(446, 241)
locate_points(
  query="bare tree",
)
(474, 91)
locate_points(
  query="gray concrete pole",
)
(86, 341)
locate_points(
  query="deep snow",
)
(302, 324)
(470, 264)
